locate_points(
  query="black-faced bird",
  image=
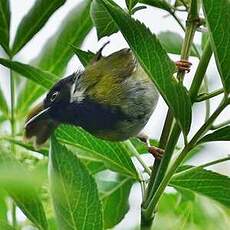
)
(113, 99)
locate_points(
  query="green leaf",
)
(197, 214)
(222, 134)
(33, 21)
(3, 104)
(155, 62)
(42, 78)
(2, 119)
(130, 4)
(113, 154)
(20, 186)
(28, 94)
(172, 42)
(3, 206)
(157, 3)
(186, 195)
(114, 196)
(92, 165)
(5, 226)
(57, 52)
(204, 182)
(43, 150)
(74, 191)
(84, 57)
(217, 15)
(102, 20)
(5, 25)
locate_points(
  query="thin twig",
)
(206, 96)
(12, 122)
(221, 125)
(202, 166)
(142, 183)
(134, 152)
(207, 102)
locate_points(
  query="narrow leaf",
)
(42, 78)
(84, 57)
(28, 94)
(5, 24)
(130, 4)
(3, 104)
(222, 134)
(5, 226)
(57, 52)
(114, 196)
(217, 15)
(102, 20)
(112, 154)
(18, 183)
(155, 62)
(33, 21)
(3, 206)
(2, 119)
(74, 191)
(204, 182)
(42, 150)
(94, 166)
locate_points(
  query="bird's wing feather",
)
(104, 80)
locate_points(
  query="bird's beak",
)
(39, 124)
(38, 113)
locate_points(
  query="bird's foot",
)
(156, 152)
(183, 65)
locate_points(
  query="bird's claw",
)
(156, 152)
(183, 65)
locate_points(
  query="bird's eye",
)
(54, 96)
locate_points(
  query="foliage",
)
(90, 180)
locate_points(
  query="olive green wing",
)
(103, 79)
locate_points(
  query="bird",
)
(112, 99)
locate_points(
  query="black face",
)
(45, 117)
(59, 95)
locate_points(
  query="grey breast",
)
(139, 102)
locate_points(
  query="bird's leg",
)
(183, 65)
(156, 152)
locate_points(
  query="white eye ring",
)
(54, 96)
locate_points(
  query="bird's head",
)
(44, 118)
